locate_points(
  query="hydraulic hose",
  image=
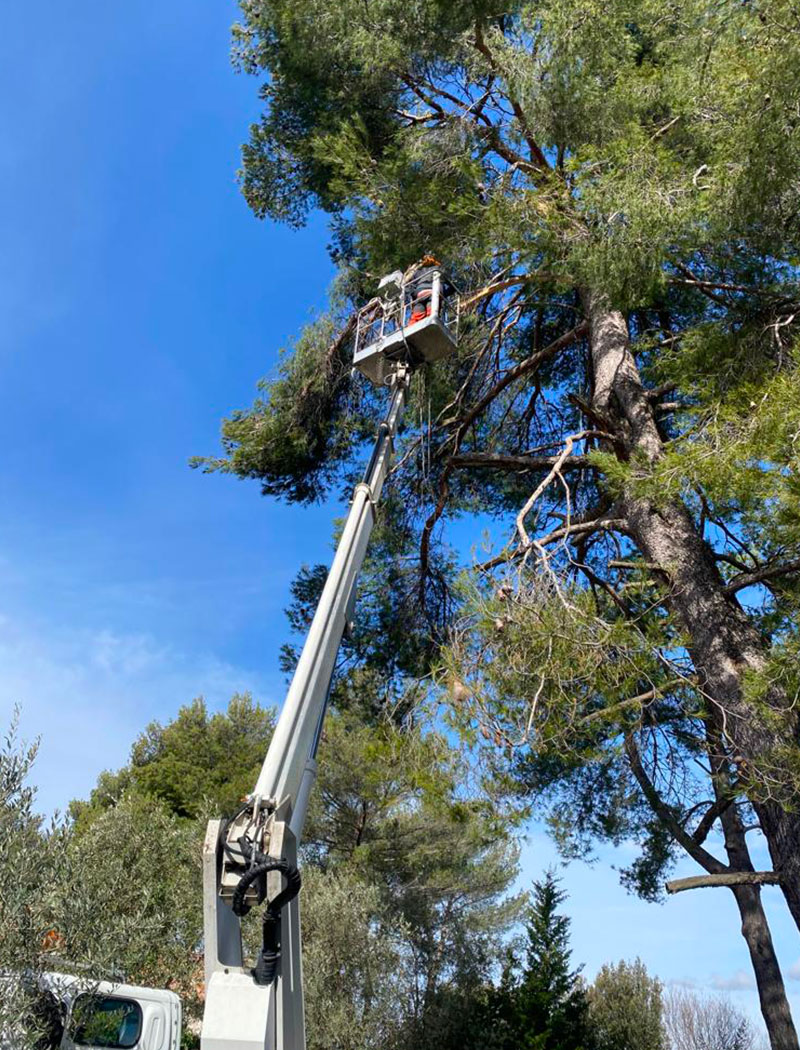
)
(263, 865)
(266, 967)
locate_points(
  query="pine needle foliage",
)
(614, 188)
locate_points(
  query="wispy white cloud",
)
(793, 973)
(739, 981)
(88, 693)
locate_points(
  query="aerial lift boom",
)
(252, 858)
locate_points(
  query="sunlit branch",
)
(728, 878)
(536, 153)
(500, 286)
(575, 528)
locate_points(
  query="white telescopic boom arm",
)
(240, 1013)
(296, 734)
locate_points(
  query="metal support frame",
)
(385, 333)
(239, 1014)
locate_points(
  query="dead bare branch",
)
(727, 878)
(519, 463)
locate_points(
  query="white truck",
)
(73, 1013)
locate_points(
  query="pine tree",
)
(614, 185)
(550, 1009)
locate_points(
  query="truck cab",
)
(89, 1014)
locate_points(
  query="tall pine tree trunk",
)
(723, 645)
(755, 927)
(769, 980)
(756, 932)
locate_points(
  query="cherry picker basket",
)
(413, 319)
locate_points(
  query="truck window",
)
(105, 1020)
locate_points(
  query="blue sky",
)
(140, 302)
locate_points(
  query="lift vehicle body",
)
(253, 858)
(83, 1014)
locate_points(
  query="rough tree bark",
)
(769, 980)
(755, 928)
(756, 932)
(722, 643)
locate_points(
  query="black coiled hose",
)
(263, 865)
(267, 963)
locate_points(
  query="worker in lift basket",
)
(418, 281)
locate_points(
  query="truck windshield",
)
(103, 1020)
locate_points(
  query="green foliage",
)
(552, 1010)
(589, 668)
(122, 897)
(394, 637)
(287, 165)
(28, 859)
(742, 450)
(406, 872)
(565, 683)
(293, 436)
(654, 128)
(195, 762)
(393, 814)
(127, 899)
(405, 902)
(541, 1005)
(356, 978)
(625, 1008)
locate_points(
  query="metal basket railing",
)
(383, 316)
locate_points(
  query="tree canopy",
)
(408, 924)
(626, 1008)
(613, 188)
(198, 762)
(400, 857)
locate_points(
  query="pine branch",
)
(502, 462)
(537, 155)
(726, 878)
(590, 412)
(692, 280)
(479, 119)
(333, 351)
(645, 566)
(658, 392)
(517, 372)
(631, 701)
(666, 814)
(500, 286)
(709, 818)
(578, 527)
(768, 571)
(522, 369)
(702, 286)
